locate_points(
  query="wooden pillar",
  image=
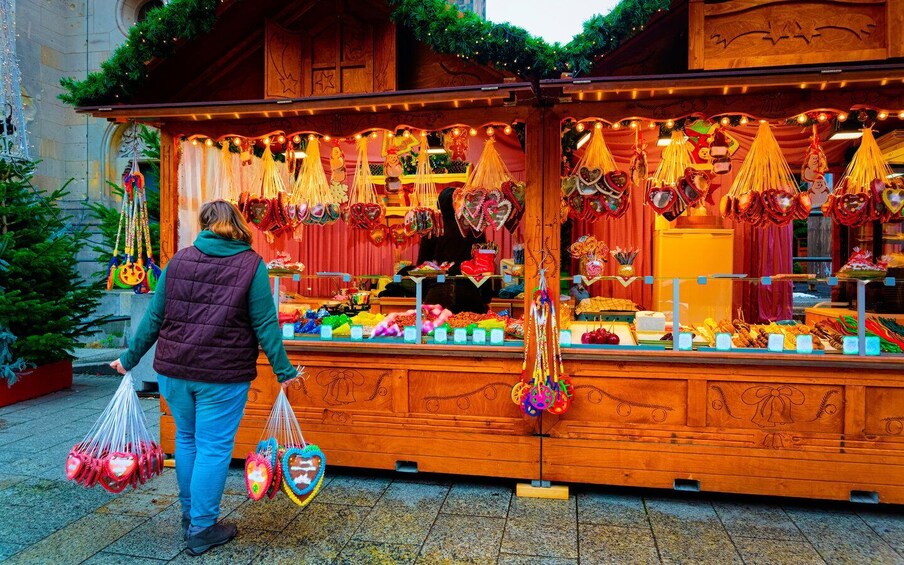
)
(543, 151)
(169, 196)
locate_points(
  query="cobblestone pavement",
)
(367, 517)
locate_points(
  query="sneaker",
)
(218, 534)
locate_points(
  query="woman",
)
(459, 295)
(212, 308)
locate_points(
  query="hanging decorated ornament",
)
(720, 152)
(393, 169)
(228, 188)
(283, 460)
(136, 269)
(638, 167)
(711, 145)
(764, 190)
(267, 210)
(815, 165)
(546, 387)
(677, 184)
(365, 212)
(597, 189)
(489, 198)
(456, 142)
(424, 218)
(866, 192)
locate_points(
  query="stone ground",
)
(369, 517)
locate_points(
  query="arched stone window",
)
(130, 12)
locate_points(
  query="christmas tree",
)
(44, 302)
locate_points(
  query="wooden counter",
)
(811, 426)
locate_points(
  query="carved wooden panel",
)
(344, 388)
(762, 33)
(461, 394)
(774, 407)
(885, 411)
(282, 62)
(628, 401)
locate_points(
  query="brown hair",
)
(224, 219)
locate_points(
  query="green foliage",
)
(107, 217)
(440, 25)
(44, 302)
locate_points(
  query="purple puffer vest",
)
(206, 333)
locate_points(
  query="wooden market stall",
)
(764, 423)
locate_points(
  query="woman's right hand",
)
(118, 366)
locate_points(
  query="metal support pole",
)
(861, 318)
(276, 295)
(676, 312)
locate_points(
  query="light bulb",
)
(802, 119)
(373, 135)
(266, 141)
(882, 115)
(598, 125)
(405, 134)
(616, 125)
(297, 139)
(490, 131)
(194, 141)
(357, 136)
(237, 141)
(326, 138)
(842, 116)
(725, 121)
(670, 124)
(822, 117)
(473, 131)
(209, 143)
(311, 137)
(579, 127)
(652, 125)
(455, 131)
(507, 130)
(281, 139)
(743, 120)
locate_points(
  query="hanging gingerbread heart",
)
(472, 209)
(75, 464)
(616, 181)
(618, 205)
(569, 186)
(661, 199)
(258, 475)
(120, 466)
(498, 212)
(893, 198)
(588, 178)
(303, 468)
(378, 235)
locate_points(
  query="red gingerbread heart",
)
(661, 199)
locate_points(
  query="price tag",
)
(565, 338)
(460, 336)
(288, 331)
(685, 341)
(409, 334)
(804, 343)
(356, 332)
(497, 336)
(776, 343)
(440, 335)
(723, 342)
(480, 336)
(872, 345)
(850, 345)
(326, 332)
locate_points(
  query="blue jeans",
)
(207, 418)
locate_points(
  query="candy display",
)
(118, 451)
(625, 259)
(282, 264)
(605, 304)
(283, 460)
(394, 324)
(861, 266)
(591, 253)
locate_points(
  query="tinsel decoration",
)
(12, 122)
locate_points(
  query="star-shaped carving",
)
(324, 81)
(777, 32)
(807, 30)
(289, 83)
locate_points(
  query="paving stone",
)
(164, 483)
(317, 535)
(7, 481)
(463, 539)
(245, 548)
(612, 510)
(138, 504)
(158, 538)
(107, 558)
(889, 526)
(510, 559)
(9, 549)
(682, 516)
(522, 537)
(31, 491)
(357, 490)
(77, 541)
(552, 511)
(359, 552)
(404, 514)
(842, 537)
(611, 544)
(777, 552)
(757, 521)
(697, 549)
(267, 515)
(474, 499)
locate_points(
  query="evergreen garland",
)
(44, 302)
(436, 23)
